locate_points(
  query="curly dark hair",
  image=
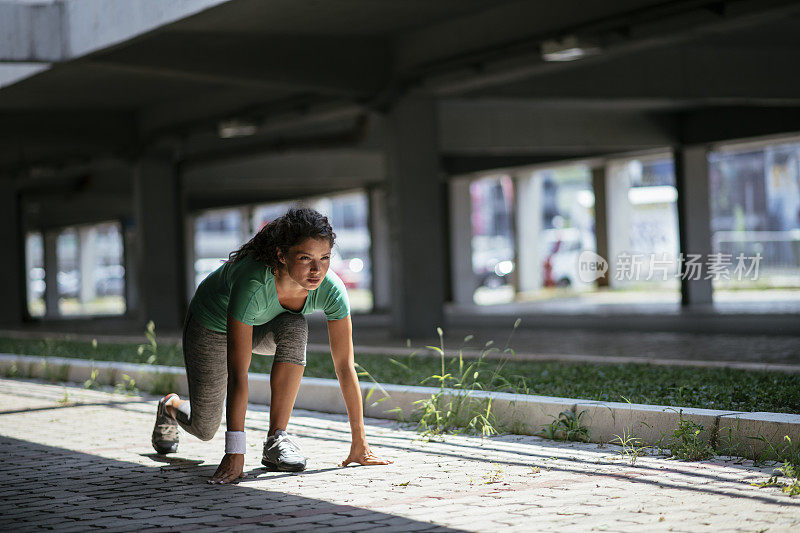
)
(297, 225)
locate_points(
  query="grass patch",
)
(711, 388)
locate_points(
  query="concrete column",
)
(464, 281)
(86, 261)
(12, 268)
(417, 215)
(529, 231)
(190, 255)
(130, 253)
(159, 223)
(600, 218)
(381, 258)
(50, 274)
(618, 217)
(694, 220)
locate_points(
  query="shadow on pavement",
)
(55, 488)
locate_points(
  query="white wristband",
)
(235, 442)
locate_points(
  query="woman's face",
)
(307, 262)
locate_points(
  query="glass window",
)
(34, 263)
(91, 275)
(755, 222)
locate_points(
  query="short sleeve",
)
(337, 304)
(245, 302)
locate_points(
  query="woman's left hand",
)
(362, 455)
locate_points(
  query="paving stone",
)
(463, 484)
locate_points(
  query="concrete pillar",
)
(87, 237)
(618, 216)
(190, 254)
(381, 257)
(160, 249)
(464, 281)
(12, 267)
(50, 274)
(417, 215)
(130, 253)
(529, 231)
(694, 221)
(600, 218)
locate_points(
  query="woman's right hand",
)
(230, 469)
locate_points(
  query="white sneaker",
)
(282, 453)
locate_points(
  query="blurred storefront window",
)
(556, 223)
(348, 214)
(755, 212)
(216, 234)
(90, 271)
(492, 219)
(643, 246)
(34, 265)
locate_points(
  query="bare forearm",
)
(351, 392)
(236, 406)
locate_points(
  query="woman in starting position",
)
(254, 303)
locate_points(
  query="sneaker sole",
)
(282, 468)
(165, 451)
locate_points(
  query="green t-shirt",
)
(246, 290)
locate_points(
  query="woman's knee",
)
(205, 432)
(292, 329)
(291, 337)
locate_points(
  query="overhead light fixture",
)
(236, 128)
(569, 48)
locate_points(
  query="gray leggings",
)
(205, 355)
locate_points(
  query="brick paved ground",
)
(86, 465)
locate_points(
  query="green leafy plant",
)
(567, 426)
(150, 349)
(687, 444)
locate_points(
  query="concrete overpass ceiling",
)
(332, 18)
(258, 60)
(750, 66)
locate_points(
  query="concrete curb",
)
(734, 432)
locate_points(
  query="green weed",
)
(64, 401)
(126, 386)
(150, 349)
(92, 383)
(789, 455)
(162, 384)
(687, 445)
(632, 447)
(567, 426)
(455, 408)
(12, 371)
